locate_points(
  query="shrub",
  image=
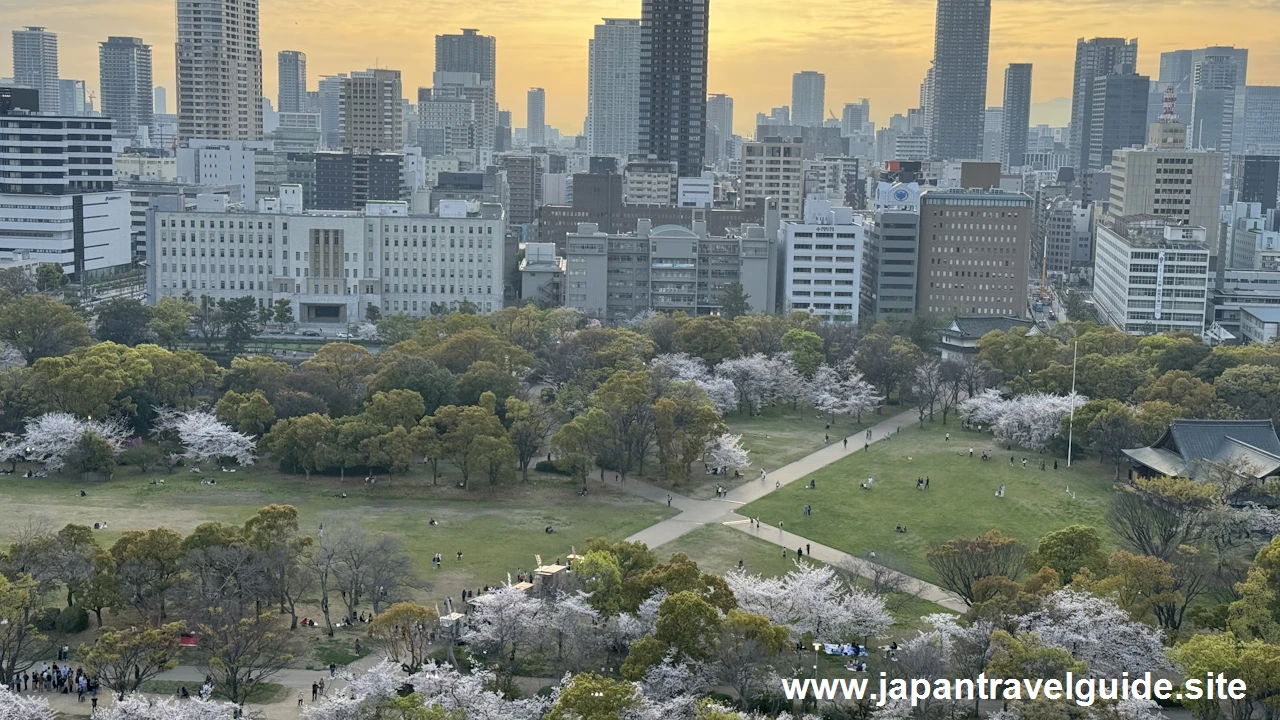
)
(73, 620)
(47, 619)
(551, 466)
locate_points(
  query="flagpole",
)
(1071, 423)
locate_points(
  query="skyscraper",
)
(35, 64)
(959, 88)
(124, 69)
(1095, 57)
(719, 125)
(292, 95)
(1017, 114)
(613, 88)
(673, 81)
(808, 98)
(1118, 116)
(537, 117)
(1216, 76)
(160, 103)
(468, 52)
(854, 117)
(371, 111)
(1178, 67)
(330, 91)
(219, 70)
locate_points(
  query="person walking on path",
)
(668, 500)
(846, 443)
(299, 700)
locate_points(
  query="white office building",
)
(613, 88)
(822, 273)
(331, 265)
(222, 162)
(697, 192)
(1151, 275)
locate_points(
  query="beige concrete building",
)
(219, 70)
(975, 249)
(1184, 185)
(371, 111)
(774, 167)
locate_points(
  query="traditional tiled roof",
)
(975, 326)
(1189, 448)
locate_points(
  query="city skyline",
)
(752, 55)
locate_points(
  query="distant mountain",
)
(1055, 112)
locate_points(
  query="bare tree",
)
(1149, 526)
(885, 580)
(322, 561)
(926, 388)
(389, 570)
(355, 554)
(962, 563)
(241, 653)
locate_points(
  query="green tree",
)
(251, 414)
(242, 653)
(805, 347)
(712, 338)
(1112, 430)
(887, 361)
(15, 281)
(407, 368)
(301, 443)
(170, 320)
(20, 642)
(396, 328)
(1251, 389)
(372, 313)
(50, 277)
(37, 327)
(594, 697)
(240, 319)
(458, 428)
(747, 645)
(482, 377)
(395, 408)
(495, 457)
(602, 577)
(342, 366)
(734, 301)
(459, 351)
(125, 659)
(961, 563)
(392, 450)
(282, 312)
(257, 372)
(102, 590)
(148, 566)
(93, 454)
(123, 320)
(406, 630)
(1070, 550)
(529, 425)
(688, 625)
(1195, 396)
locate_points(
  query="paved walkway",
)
(696, 513)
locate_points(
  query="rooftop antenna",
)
(1168, 116)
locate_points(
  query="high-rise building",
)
(292, 93)
(536, 117)
(1095, 57)
(72, 99)
(35, 65)
(774, 167)
(855, 117)
(719, 127)
(469, 52)
(1257, 123)
(1215, 79)
(350, 181)
(891, 263)
(470, 87)
(822, 272)
(1178, 67)
(1255, 179)
(330, 92)
(1119, 116)
(673, 81)
(124, 69)
(975, 252)
(160, 101)
(371, 111)
(613, 88)
(1185, 185)
(219, 70)
(1017, 114)
(958, 91)
(808, 98)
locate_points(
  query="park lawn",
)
(780, 435)
(717, 548)
(960, 501)
(499, 530)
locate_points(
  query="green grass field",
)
(960, 501)
(780, 435)
(498, 531)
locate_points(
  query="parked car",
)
(311, 333)
(344, 335)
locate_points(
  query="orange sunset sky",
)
(874, 48)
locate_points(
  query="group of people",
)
(56, 679)
(28, 474)
(922, 483)
(437, 560)
(719, 470)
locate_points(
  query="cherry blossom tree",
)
(574, 622)
(11, 449)
(669, 680)
(627, 628)
(24, 707)
(51, 438)
(790, 386)
(752, 379)
(139, 707)
(812, 600)
(726, 450)
(363, 694)
(842, 390)
(444, 686)
(503, 622)
(1096, 631)
(1035, 419)
(204, 437)
(721, 392)
(985, 408)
